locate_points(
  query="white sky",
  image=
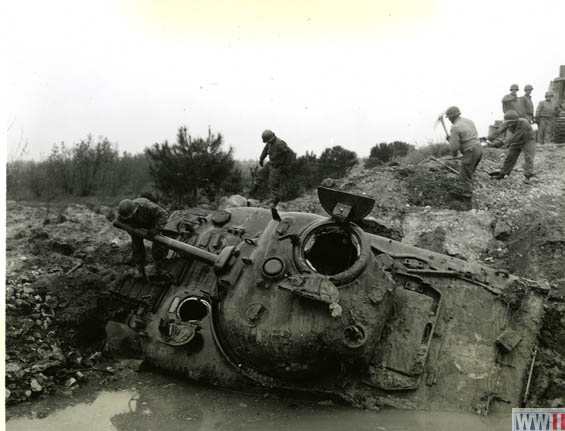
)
(319, 73)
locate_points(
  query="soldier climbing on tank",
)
(546, 113)
(522, 140)
(464, 139)
(280, 157)
(142, 213)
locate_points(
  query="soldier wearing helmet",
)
(464, 139)
(142, 213)
(280, 157)
(522, 140)
(526, 105)
(546, 113)
(510, 101)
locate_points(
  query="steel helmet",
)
(267, 135)
(514, 87)
(548, 94)
(511, 115)
(452, 111)
(127, 208)
(528, 87)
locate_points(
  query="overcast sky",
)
(318, 73)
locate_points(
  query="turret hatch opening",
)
(331, 249)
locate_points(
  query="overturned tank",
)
(557, 86)
(306, 303)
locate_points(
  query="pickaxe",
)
(440, 120)
(441, 163)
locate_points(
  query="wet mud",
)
(150, 401)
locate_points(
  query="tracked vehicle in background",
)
(306, 303)
(557, 86)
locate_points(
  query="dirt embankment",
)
(511, 225)
(60, 265)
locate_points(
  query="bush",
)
(336, 162)
(435, 149)
(384, 153)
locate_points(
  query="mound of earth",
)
(58, 268)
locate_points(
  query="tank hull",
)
(395, 326)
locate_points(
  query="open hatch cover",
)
(344, 207)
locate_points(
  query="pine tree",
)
(189, 166)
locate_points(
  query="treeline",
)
(87, 168)
(187, 172)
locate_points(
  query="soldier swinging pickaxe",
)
(440, 120)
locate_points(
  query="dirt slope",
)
(512, 225)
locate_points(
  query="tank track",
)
(559, 129)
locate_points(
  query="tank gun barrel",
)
(177, 246)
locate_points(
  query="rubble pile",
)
(58, 271)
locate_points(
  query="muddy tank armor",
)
(302, 302)
(557, 87)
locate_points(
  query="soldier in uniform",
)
(522, 140)
(464, 139)
(510, 101)
(526, 105)
(545, 117)
(142, 213)
(280, 156)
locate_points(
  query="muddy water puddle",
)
(153, 402)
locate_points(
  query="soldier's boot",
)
(466, 196)
(139, 272)
(275, 214)
(463, 196)
(160, 273)
(464, 204)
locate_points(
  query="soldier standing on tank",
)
(464, 139)
(142, 213)
(526, 105)
(522, 140)
(545, 117)
(280, 157)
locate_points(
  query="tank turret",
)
(302, 302)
